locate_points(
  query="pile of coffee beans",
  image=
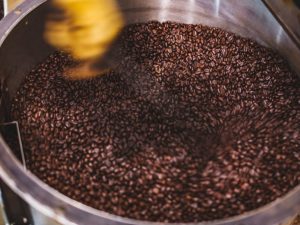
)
(193, 124)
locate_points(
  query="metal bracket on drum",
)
(16, 210)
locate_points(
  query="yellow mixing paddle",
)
(86, 29)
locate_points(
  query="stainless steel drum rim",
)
(67, 211)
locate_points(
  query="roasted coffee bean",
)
(193, 124)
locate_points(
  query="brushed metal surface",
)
(288, 14)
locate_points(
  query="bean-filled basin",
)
(23, 47)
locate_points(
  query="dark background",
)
(1, 9)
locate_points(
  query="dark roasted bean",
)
(193, 124)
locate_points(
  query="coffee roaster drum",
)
(22, 47)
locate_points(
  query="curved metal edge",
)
(67, 211)
(15, 16)
(9, 5)
(282, 20)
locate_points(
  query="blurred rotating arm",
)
(84, 28)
